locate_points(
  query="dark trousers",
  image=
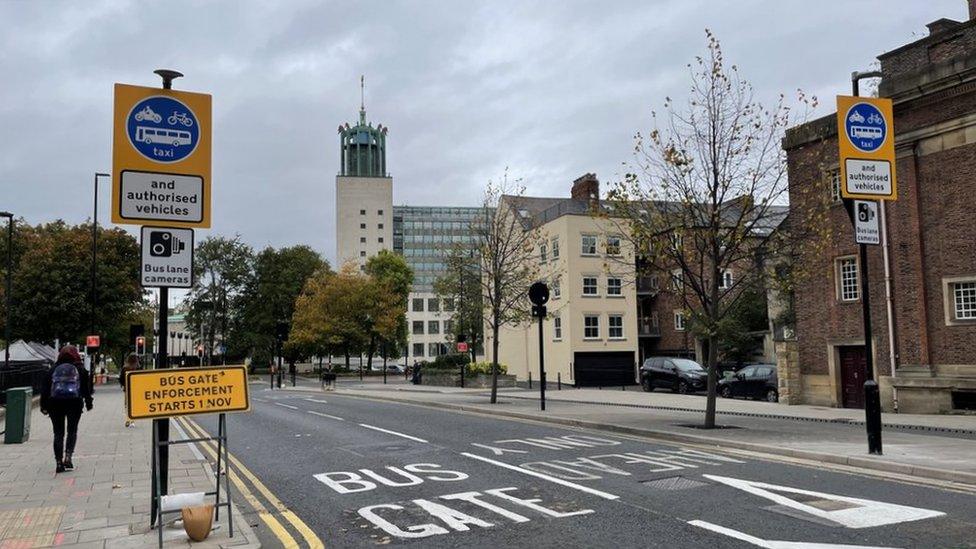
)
(60, 415)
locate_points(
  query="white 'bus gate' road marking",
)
(313, 412)
(286, 405)
(554, 480)
(774, 544)
(393, 433)
(854, 513)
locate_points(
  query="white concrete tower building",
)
(364, 193)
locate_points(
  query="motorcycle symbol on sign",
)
(180, 117)
(148, 114)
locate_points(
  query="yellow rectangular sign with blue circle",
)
(161, 154)
(866, 139)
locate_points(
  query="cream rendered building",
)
(590, 334)
(364, 194)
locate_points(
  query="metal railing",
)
(647, 285)
(646, 328)
(22, 375)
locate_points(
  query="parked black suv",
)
(678, 374)
(753, 381)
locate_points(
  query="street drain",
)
(674, 483)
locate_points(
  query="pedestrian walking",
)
(65, 389)
(131, 363)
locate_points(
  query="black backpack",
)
(65, 382)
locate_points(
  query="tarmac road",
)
(361, 473)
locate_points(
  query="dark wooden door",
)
(853, 364)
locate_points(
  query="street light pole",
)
(94, 287)
(10, 269)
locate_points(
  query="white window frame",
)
(555, 248)
(542, 253)
(833, 179)
(585, 327)
(584, 248)
(557, 290)
(611, 327)
(727, 280)
(614, 251)
(557, 327)
(846, 293)
(596, 286)
(677, 280)
(680, 322)
(956, 300)
(619, 287)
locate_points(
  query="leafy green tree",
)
(391, 280)
(52, 284)
(331, 311)
(222, 267)
(460, 285)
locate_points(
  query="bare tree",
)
(708, 195)
(506, 245)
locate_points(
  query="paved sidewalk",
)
(930, 454)
(104, 502)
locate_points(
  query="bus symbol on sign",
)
(162, 139)
(866, 127)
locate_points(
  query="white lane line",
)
(543, 476)
(774, 544)
(392, 432)
(324, 415)
(258, 399)
(286, 405)
(315, 400)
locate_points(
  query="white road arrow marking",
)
(846, 511)
(775, 544)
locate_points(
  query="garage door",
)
(604, 369)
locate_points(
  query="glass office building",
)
(426, 235)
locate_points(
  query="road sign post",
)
(866, 145)
(539, 296)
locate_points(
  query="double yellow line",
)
(270, 518)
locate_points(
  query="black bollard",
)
(530, 380)
(872, 404)
(559, 381)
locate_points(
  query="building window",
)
(433, 326)
(679, 321)
(834, 177)
(964, 300)
(677, 280)
(448, 326)
(555, 248)
(381, 240)
(557, 328)
(591, 326)
(418, 350)
(435, 349)
(589, 245)
(726, 281)
(362, 225)
(613, 245)
(556, 288)
(614, 286)
(589, 285)
(418, 327)
(379, 212)
(615, 326)
(362, 253)
(362, 212)
(433, 305)
(362, 240)
(418, 304)
(676, 242)
(449, 305)
(379, 226)
(542, 253)
(848, 281)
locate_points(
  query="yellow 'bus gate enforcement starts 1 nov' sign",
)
(186, 391)
(161, 152)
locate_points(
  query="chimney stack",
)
(587, 187)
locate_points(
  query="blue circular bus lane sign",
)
(866, 127)
(163, 129)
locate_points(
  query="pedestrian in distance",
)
(65, 390)
(131, 363)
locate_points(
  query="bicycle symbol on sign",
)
(875, 118)
(180, 117)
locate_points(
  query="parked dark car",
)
(753, 381)
(678, 374)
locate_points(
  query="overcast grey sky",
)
(549, 89)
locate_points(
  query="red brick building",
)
(923, 279)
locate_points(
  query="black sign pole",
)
(872, 396)
(542, 364)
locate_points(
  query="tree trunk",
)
(712, 362)
(494, 364)
(346, 350)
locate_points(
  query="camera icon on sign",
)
(165, 244)
(864, 213)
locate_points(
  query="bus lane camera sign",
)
(161, 157)
(186, 391)
(866, 142)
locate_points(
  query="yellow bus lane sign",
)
(161, 157)
(186, 391)
(866, 146)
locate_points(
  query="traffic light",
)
(141, 345)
